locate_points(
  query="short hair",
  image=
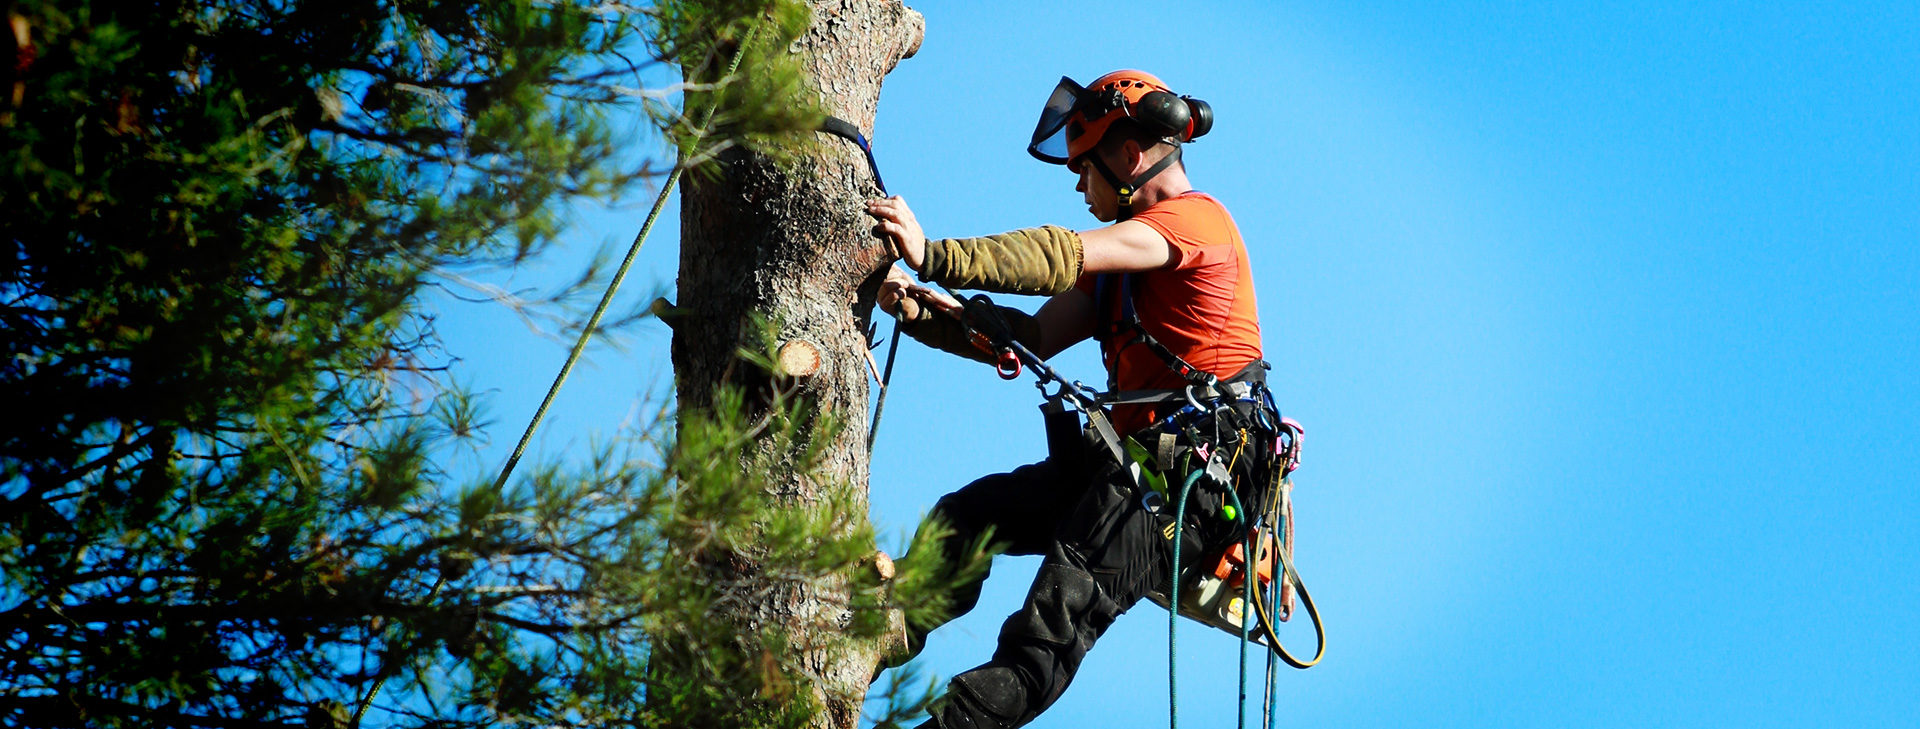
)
(1123, 130)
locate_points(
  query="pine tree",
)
(221, 503)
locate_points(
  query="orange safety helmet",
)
(1076, 117)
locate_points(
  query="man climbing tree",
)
(1167, 291)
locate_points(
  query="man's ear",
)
(1134, 158)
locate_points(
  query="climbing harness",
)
(1266, 535)
(1126, 330)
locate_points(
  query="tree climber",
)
(1168, 292)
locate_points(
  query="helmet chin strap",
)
(1124, 192)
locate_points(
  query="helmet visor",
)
(1050, 135)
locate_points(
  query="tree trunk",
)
(794, 246)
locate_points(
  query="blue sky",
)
(1601, 321)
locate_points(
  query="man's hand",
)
(896, 222)
(906, 300)
(893, 297)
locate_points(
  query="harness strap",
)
(1102, 428)
(1129, 323)
(1235, 389)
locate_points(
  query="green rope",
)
(593, 322)
(1173, 603)
(586, 334)
(619, 275)
(1173, 600)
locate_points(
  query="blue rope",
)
(1246, 601)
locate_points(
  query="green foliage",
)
(220, 499)
(742, 531)
(705, 37)
(729, 541)
(905, 699)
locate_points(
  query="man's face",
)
(1096, 192)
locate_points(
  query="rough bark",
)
(793, 245)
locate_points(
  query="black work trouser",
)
(1104, 550)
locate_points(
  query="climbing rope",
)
(1173, 600)
(1246, 598)
(1262, 605)
(620, 274)
(886, 379)
(1259, 599)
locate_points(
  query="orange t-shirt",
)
(1201, 307)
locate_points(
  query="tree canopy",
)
(220, 504)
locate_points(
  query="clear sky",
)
(1601, 319)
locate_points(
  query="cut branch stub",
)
(664, 310)
(799, 358)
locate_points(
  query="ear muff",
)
(1202, 115)
(1164, 114)
(1182, 117)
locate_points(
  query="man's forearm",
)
(1043, 261)
(944, 332)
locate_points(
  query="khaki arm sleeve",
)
(1044, 261)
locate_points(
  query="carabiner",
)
(1008, 366)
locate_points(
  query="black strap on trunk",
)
(846, 130)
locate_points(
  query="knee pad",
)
(1065, 605)
(991, 696)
